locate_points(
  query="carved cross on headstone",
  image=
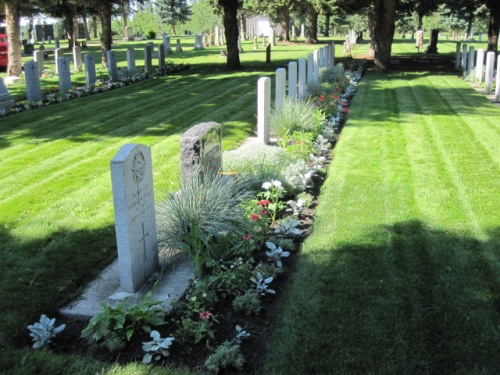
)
(143, 240)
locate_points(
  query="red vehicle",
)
(3, 51)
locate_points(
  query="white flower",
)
(266, 185)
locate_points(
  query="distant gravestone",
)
(490, 66)
(38, 57)
(201, 151)
(280, 86)
(178, 48)
(112, 67)
(166, 44)
(272, 39)
(310, 68)
(57, 44)
(5, 99)
(58, 53)
(90, 74)
(470, 64)
(135, 221)
(33, 89)
(302, 31)
(292, 80)
(216, 36)
(127, 34)
(131, 60)
(458, 56)
(64, 74)
(148, 59)
(255, 46)
(302, 85)
(480, 65)
(77, 58)
(198, 43)
(161, 56)
(464, 58)
(263, 109)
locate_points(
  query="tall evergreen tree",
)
(172, 12)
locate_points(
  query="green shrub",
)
(151, 35)
(298, 177)
(226, 355)
(248, 303)
(294, 115)
(331, 73)
(202, 212)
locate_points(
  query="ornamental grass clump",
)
(202, 212)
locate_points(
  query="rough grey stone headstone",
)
(148, 59)
(135, 221)
(33, 90)
(201, 151)
(38, 57)
(77, 58)
(58, 53)
(90, 74)
(5, 99)
(112, 67)
(131, 60)
(64, 74)
(292, 80)
(263, 109)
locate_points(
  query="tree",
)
(494, 24)
(13, 25)
(204, 17)
(230, 21)
(172, 12)
(384, 12)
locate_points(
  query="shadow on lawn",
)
(426, 303)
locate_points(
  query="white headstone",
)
(292, 80)
(271, 37)
(198, 44)
(131, 60)
(310, 68)
(470, 64)
(216, 36)
(33, 90)
(148, 59)
(5, 99)
(302, 31)
(480, 65)
(77, 58)
(64, 74)
(58, 53)
(302, 78)
(135, 221)
(321, 57)
(263, 109)
(490, 66)
(112, 67)
(90, 75)
(316, 64)
(166, 44)
(497, 87)
(458, 56)
(38, 57)
(464, 57)
(332, 53)
(280, 86)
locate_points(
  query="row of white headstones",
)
(132, 178)
(468, 59)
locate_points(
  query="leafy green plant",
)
(331, 73)
(226, 355)
(115, 325)
(248, 303)
(194, 330)
(157, 348)
(43, 331)
(287, 227)
(271, 197)
(299, 144)
(229, 279)
(276, 253)
(298, 177)
(262, 284)
(294, 115)
(201, 212)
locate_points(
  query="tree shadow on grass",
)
(403, 299)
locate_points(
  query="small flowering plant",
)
(270, 198)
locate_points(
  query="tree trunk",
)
(94, 25)
(327, 24)
(12, 20)
(494, 24)
(420, 21)
(285, 23)
(69, 25)
(312, 16)
(86, 26)
(230, 21)
(383, 32)
(106, 38)
(470, 19)
(31, 37)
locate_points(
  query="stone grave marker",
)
(148, 59)
(216, 36)
(128, 34)
(58, 53)
(198, 44)
(255, 46)
(457, 56)
(64, 74)
(321, 57)
(316, 65)
(131, 60)
(302, 88)
(497, 87)
(201, 151)
(5, 99)
(292, 80)
(310, 68)
(135, 220)
(38, 57)
(464, 57)
(178, 48)
(470, 64)
(161, 56)
(263, 109)
(112, 67)
(480, 64)
(57, 44)
(490, 66)
(302, 31)
(33, 89)
(166, 44)
(77, 58)
(90, 74)
(272, 39)
(280, 86)
(332, 53)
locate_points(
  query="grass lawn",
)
(401, 274)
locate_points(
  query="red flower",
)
(263, 202)
(254, 217)
(246, 237)
(346, 110)
(264, 212)
(321, 98)
(204, 315)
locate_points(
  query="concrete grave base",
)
(106, 287)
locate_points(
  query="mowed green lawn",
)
(401, 274)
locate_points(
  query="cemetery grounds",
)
(399, 275)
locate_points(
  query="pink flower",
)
(346, 110)
(246, 237)
(264, 212)
(204, 315)
(254, 217)
(321, 98)
(263, 202)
